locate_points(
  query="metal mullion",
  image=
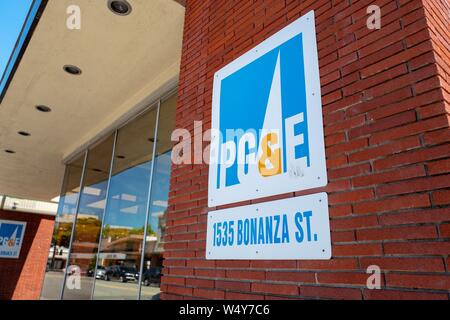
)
(63, 191)
(154, 105)
(75, 222)
(2, 204)
(104, 211)
(149, 200)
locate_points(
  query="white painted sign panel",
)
(295, 228)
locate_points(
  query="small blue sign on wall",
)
(11, 238)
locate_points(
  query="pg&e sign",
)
(267, 139)
(267, 120)
(11, 238)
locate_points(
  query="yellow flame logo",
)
(11, 242)
(270, 161)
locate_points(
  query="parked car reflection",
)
(101, 272)
(121, 273)
(152, 276)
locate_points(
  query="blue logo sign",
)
(267, 94)
(267, 120)
(11, 236)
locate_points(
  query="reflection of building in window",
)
(105, 217)
(57, 259)
(123, 246)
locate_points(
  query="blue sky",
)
(133, 182)
(12, 17)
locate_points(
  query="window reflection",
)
(65, 217)
(89, 221)
(108, 244)
(158, 203)
(123, 231)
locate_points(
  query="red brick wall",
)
(22, 278)
(438, 15)
(385, 100)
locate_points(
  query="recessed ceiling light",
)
(10, 151)
(72, 70)
(42, 108)
(24, 133)
(120, 7)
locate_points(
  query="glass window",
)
(154, 249)
(82, 259)
(59, 249)
(108, 244)
(124, 222)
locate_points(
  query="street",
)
(104, 290)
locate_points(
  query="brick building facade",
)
(386, 103)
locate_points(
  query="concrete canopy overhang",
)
(126, 63)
